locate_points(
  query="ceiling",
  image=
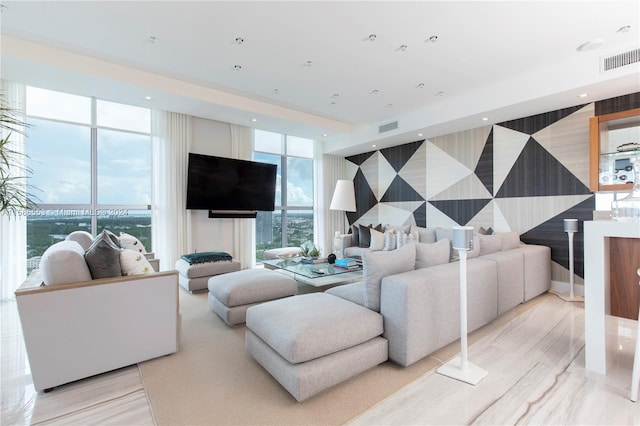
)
(311, 69)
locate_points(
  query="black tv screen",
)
(218, 183)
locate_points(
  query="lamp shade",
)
(344, 197)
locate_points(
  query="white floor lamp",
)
(460, 368)
(571, 227)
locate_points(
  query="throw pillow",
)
(483, 231)
(403, 238)
(441, 234)
(130, 242)
(103, 257)
(134, 263)
(431, 254)
(83, 238)
(377, 240)
(355, 235)
(390, 242)
(379, 264)
(364, 236)
(475, 250)
(510, 240)
(398, 228)
(425, 235)
(490, 243)
(63, 263)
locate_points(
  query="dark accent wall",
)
(525, 175)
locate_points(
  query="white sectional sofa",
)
(413, 290)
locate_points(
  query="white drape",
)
(328, 221)
(13, 229)
(171, 231)
(244, 246)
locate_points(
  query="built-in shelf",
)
(610, 169)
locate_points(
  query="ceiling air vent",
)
(620, 60)
(387, 127)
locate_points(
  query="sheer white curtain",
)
(243, 229)
(13, 229)
(328, 221)
(171, 232)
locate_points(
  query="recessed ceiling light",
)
(275, 91)
(335, 96)
(419, 85)
(153, 39)
(254, 119)
(485, 118)
(624, 29)
(420, 134)
(402, 48)
(371, 37)
(440, 93)
(331, 104)
(432, 39)
(308, 64)
(237, 67)
(148, 98)
(324, 135)
(374, 92)
(373, 146)
(583, 95)
(590, 45)
(239, 40)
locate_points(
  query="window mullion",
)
(94, 167)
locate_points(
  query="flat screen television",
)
(229, 187)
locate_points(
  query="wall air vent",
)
(387, 127)
(620, 60)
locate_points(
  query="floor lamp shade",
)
(344, 197)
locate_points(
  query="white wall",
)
(211, 138)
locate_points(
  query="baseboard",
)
(562, 287)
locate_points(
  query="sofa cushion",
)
(130, 242)
(490, 243)
(355, 235)
(134, 263)
(63, 263)
(425, 235)
(403, 238)
(83, 238)
(510, 240)
(397, 228)
(379, 264)
(309, 326)
(377, 240)
(431, 254)
(353, 292)
(390, 242)
(103, 257)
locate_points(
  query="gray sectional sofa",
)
(412, 290)
(421, 306)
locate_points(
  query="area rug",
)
(212, 380)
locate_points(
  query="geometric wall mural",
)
(524, 175)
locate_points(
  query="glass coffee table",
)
(315, 274)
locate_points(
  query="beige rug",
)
(211, 380)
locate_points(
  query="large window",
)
(291, 224)
(91, 168)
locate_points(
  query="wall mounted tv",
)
(228, 187)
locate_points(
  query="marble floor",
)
(534, 356)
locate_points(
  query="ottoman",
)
(230, 295)
(312, 342)
(196, 277)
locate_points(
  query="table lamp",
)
(344, 199)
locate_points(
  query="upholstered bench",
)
(196, 277)
(230, 295)
(312, 342)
